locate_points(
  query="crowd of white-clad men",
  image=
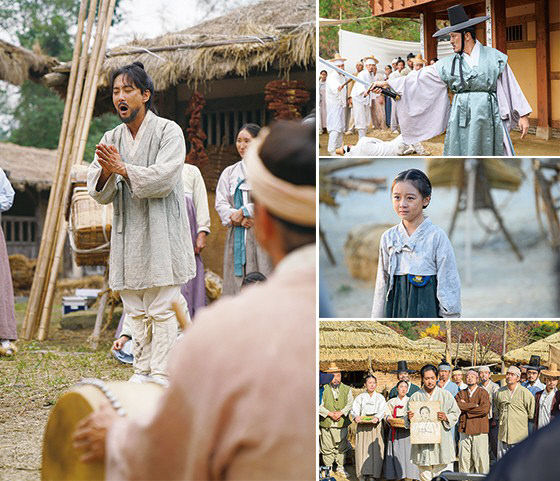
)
(346, 106)
(479, 420)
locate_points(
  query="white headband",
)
(338, 62)
(370, 61)
(294, 203)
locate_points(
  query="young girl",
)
(417, 274)
(235, 208)
(368, 410)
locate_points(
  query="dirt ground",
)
(501, 286)
(32, 381)
(529, 146)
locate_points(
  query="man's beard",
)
(131, 117)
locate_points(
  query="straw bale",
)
(28, 166)
(17, 64)
(352, 344)
(538, 348)
(361, 250)
(465, 350)
(213, 284)
(501, 173)
(22, 269)
(291, 47)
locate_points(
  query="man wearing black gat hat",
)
(403, 374)
(487, 101)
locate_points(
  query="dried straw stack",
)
(80, 99)
(538, 348)
(464, 351)
(352, 345)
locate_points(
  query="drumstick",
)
(181, 318)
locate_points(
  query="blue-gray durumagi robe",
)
(150, 236)
(487, 103)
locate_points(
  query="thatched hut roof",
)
(28, 166)
(483, 355)
(352, 344)
(18, 64)
(286, 30)
(538, 348)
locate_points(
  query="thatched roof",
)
(28, 166)
(538, 348)
(352, 344)
(286, 29)
(18, 64)
(483, 355)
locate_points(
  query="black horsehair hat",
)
(534, 364)
(402, 366)
(459, 20)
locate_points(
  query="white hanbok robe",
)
(361, 104)
(424, 108)
(372, 147)
(427, 252)
(150, 223)
(443, 453)
(336, 102)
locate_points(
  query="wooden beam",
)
(430, 43)
(520, 45)
(543, 69)
(520, 19)
(554, 26)
(498, 13)
(554, 75)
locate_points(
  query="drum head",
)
(61, 462)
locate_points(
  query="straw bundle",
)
(352, 344)
(286, 98)
(538, 348)
(501, 174)
(361, 250)
(22, 269)
(214, 285)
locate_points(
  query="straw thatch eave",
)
(28, 166)
(18, 64)
(286, 30)
(465, 350)
(538, 348)
(353, 344)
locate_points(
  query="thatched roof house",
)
(30, 171)
(272, 36)
(28, 166)
(17, 64)
(353, 345)
(462, 351)
(538, 348)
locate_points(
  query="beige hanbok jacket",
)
(150, 223)
(240, 404)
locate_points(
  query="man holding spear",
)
(138, 168)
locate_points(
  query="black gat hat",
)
(459, 21)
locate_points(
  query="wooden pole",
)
(60, 230)
(504, 342)
(80, 138)
(448, 341)
(544, 130)
(100, 311)
(46, 243)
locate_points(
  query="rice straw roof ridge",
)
(539, 348)
(352, 344)
(28, 165)
(286, 29)
(465, 350)
(17, 64)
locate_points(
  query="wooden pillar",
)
(543, 69)
(430, 43)
(498, 19)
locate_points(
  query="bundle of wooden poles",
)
(94, 20)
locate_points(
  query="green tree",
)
(47, 25)
(384, 27)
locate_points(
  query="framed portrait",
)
(424, 425)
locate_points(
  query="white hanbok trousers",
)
(427, 473)
(335, 141)
(154, 326)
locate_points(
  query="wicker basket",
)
(89, 229)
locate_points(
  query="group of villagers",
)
(478, 421)
(160, 224)
(487, 100)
